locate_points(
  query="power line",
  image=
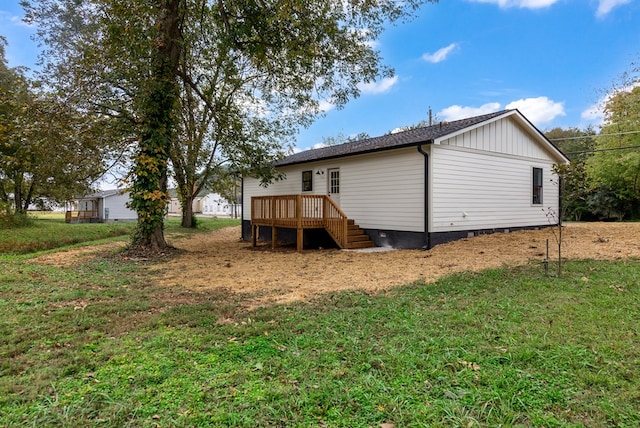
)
(594, 136)
(603, 150)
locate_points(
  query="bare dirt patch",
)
(75, 256)
(220, 261)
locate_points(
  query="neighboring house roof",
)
(104, 194)
(412, 137)
(173, 193)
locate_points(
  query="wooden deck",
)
(80, 216)
(305, 212)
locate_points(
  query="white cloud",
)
(522, 4)
(8, 19)
(325, 105)
(538, 110)
(439, 55)
(457, 112)
(594, 114)
(378, 87)
(606, 6)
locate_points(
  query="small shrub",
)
(10, 219)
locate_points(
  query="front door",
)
(334, 185)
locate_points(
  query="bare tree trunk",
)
(187, 211)
(27, 199)
(561, 205)
(17, 192)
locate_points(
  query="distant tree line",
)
(603, 180)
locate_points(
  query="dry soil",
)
(220, 261)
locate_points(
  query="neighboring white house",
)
(211, 204)
(215, 205)
(102, 207)
(175, 207)
(430, 185)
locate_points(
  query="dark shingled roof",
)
(412, 137)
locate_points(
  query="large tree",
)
(125, 56)
(48, 150)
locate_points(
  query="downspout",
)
(242, 208)
(427, 234)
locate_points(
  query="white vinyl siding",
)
(382, 190)
(118, 210)
(477, 190)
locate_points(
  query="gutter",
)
(427, 234)
(242, 208)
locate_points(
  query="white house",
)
(214, 204)
(416, 188)
(174, 207)
(211, 204)
(102, 207)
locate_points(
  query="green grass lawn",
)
(99, 344)
(49, 231)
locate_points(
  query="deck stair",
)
(356, 237)
(302, 212)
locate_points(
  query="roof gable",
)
(414, 137)
(104, 194)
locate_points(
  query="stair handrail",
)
(337, 226)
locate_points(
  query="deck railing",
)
(300, 212)
(78, 216)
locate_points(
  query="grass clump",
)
(100, 345)
(10, 219)
(46, 231)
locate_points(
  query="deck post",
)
(274, 236)
(300, 234)
(345, 224)
(300, 240)
(325, 202)
(255, 229)
(273, 210)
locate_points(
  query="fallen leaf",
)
(450, 394)
(471, 365)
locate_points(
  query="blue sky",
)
(552, 59)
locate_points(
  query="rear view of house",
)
(412, 189)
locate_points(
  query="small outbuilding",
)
(102, 207)
(411, 189)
